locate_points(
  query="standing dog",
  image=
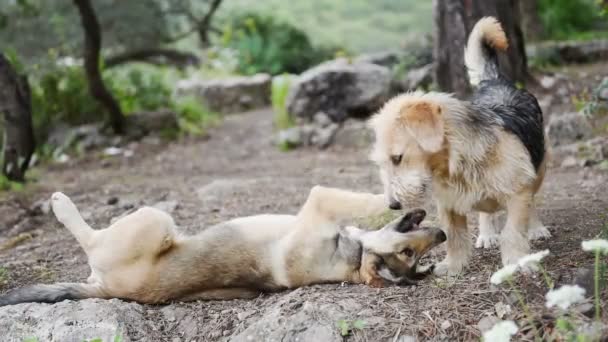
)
(141, 257)
(484, 154)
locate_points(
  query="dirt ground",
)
(237, 171)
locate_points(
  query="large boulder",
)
(569, 51)
(73, 321)
(568, 128)
(230, 95)
(340, 89)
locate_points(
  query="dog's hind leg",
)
(488, 231)
(330, 205)
(536, 229)
(67, 213)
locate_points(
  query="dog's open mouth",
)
(411, 221)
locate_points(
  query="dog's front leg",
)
(330, 205)
(458, 244)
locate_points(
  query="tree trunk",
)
(16, 107)
(204, 25)
(450, 38)
(513, 63)
(530, 20)
(92, 42)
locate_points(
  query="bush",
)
(564, 19)
(264, 44)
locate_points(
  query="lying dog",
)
(484, 154)
(141, 257)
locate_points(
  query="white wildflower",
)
(565, 296)
(501, 332)
(598, 245)
(531, 260)
(503, 274)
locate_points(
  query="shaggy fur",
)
(141, 257)
(484, 154)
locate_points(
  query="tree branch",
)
(92, 47)
(154, 56)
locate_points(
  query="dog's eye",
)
(396, 159)
(408, 252)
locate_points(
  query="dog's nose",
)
(441, 236)
(395, 205)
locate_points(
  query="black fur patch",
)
(518, 110)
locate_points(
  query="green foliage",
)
(8, 185)
(348, 326)
(193, 116)
(564, 19)
(279, 92)
(265, 44)
(358, 25)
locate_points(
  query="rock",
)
(568, 128)
(353, 133)
(292, 320)
(323, 136)
(144, 123)
(384, 58)
(75, 321)
(340, 89)
(602, 90)
(321, 119)
(230, 95)
(584, 277)
(166, 206)
(112, 200)
(421, 77)
(502, 310)
(564, 52)
(445, 325)
(569, 161)
(487, 323)
(548, 82)
(291, 137)
(245, 314)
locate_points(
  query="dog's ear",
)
(424, 121)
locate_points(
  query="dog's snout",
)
(441, 237)
(395, 205)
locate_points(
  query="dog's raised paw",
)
(487, 241)
(63, 207)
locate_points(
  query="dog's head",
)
(392, 253)
(410, 140)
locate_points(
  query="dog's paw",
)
(487, 241)
(446, 268)
(538, 233)
(63, 207)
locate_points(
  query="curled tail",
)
(480, 58)
(50, 293)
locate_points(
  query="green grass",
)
(360, 25)
(279, 92)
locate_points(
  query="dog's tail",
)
(480, 53)
(50, 293)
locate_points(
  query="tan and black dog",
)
(141, 257)
(484, 154)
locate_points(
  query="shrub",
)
(265, 44)
(564, 19)
(279, 92)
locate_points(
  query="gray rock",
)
(75, 321)
(568, 128)
(230, 95)
(421, 77)
(384, 58)
(291, 137)
(602, 90)
(569, 51)
(340, 89)
(569, 161)
(143, 123)
(323, 136)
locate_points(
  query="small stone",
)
(584, 277)
(324, 136)
(487, 323)
(112, 151)
(226, 333)
(290, 137)
(502, 309)
(445, 325)
(548, 82)
(569, 161)
(112, 200)
(244, 314)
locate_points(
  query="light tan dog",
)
(141, 257)
(484, 154)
